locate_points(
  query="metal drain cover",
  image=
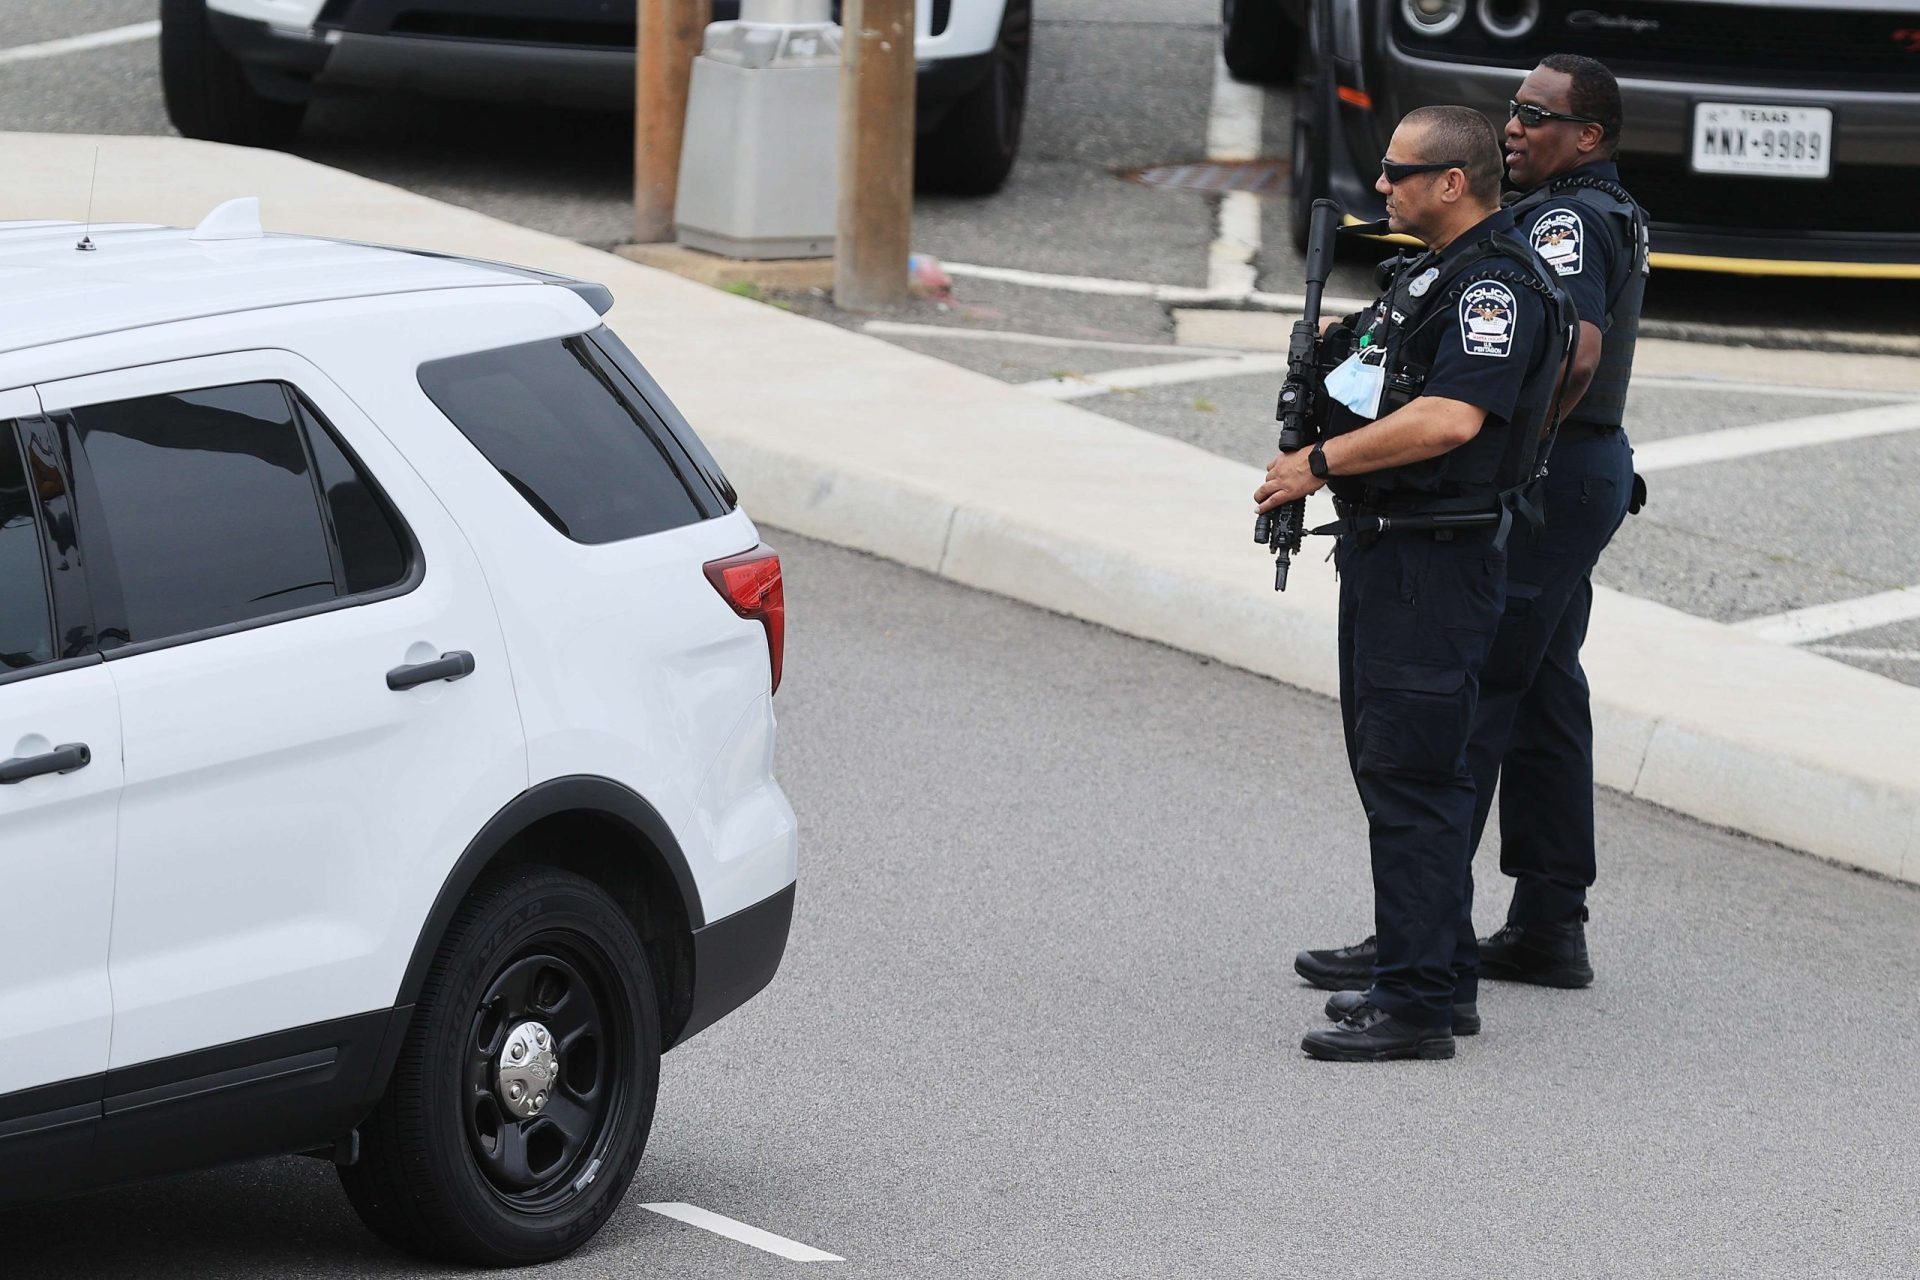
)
(1218, 177)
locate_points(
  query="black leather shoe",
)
(1372, 1035)
(1341, 1004)
(1341, 969)
(1547, 955)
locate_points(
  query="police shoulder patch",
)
(1487, 319)
(1560, 239)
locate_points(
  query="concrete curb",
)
(846, 438)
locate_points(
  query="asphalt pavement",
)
(1038, 1017)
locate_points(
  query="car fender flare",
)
(558, 795)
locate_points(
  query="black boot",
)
(1339, 969)
(1341, 1004)
(1547, 955)
(1372, 1035)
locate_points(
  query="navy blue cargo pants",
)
(1533, 728)
(1417, 619)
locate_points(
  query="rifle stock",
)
(1283, 527)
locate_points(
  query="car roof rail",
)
(595, 295)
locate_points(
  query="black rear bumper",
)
(734, 958)
(561, 53)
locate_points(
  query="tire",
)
(1259, 42)
(971, 152)
(207, 92)
(446, 1169)
(1308, 170)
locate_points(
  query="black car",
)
(1765, 137)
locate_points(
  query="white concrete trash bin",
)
(759, 163)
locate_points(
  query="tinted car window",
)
(373, 551)
(665, 415)
(548, 416)
(26, 618)
(210, 504)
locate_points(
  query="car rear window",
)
(554, 422)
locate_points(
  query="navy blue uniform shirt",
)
(1478, 353)
(1571, 238)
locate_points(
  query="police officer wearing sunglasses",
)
(1435, 425)
(1533, 729)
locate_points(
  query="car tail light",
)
(750, 582)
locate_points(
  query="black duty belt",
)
(1355, 518)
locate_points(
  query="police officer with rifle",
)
(1433, 414)
(1533, 728)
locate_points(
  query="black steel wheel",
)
(207, 93)
(549, 1002)
(971, 152)
(524, 1091)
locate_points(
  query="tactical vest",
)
(1421, 293)
(1605, 403)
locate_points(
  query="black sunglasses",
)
(1396, 173)
(1533, 117)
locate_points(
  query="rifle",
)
(1283, 527)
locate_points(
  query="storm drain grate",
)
(1218, 177)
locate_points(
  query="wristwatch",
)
(1317, 460)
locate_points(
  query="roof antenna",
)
(86, 244)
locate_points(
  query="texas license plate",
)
(1768, 142)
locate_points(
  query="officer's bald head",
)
(1462, 136)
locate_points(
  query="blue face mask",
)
(1357, 382)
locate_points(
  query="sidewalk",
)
(847, 438)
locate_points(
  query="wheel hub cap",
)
(527, 1068)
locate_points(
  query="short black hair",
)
(1595, 93)
(1467, 138)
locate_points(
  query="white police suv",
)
(385, 728)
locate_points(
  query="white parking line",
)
(1824, 621)
(905, 329)
(1680, 382)
(1771, 437)
(707, 1220)
(1080, 387)
(1233, 133)
(79, 44)
(1142, 289)
(1857, 651)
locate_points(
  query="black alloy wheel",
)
(971, 152)
(524, 1090)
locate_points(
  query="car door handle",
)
(75, 755)
(448, 666)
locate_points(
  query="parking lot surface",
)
(1038, 1017)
